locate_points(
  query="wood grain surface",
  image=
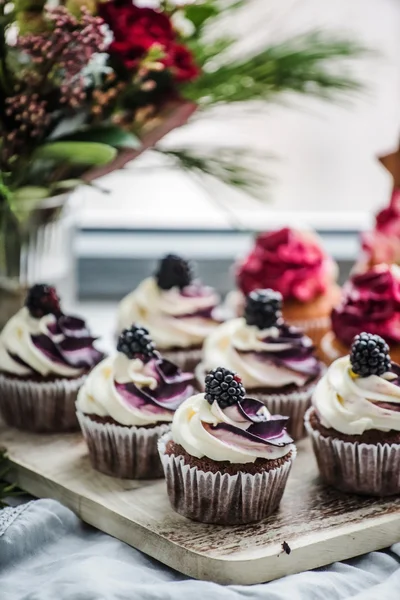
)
(314, 526)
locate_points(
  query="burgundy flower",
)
(137, 29)
(288, 261)
(371, 303)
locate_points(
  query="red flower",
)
(180, 61)
(137, 29)
(289, 261)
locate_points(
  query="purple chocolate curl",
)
(266, 434)
(173, 387)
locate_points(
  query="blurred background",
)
(323, 172)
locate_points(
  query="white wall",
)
(326, 170)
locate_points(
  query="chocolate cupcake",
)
(178, 311)
(370, 302)
(126, 403)
(354, 422)
(45, 356)
(293, 263)
(226, 460)
(275, 361)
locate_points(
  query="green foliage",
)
(105, 134)
(76, 153)
(224, 164)
(298, 65)
(7, 490)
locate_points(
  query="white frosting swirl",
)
(223, 348)
(160, 311)
(99, 395)
(188, 431)
(348, 404)
(16, 339)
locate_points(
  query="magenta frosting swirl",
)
(382, 245)
(371, 303)
(288, 261)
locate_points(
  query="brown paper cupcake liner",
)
(359, 468)
(40, 406)
(293, 405)
(218, 498)
(126, 452)
(186, 360)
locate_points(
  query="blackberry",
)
(263, 308)
(369, 355)
(224, 386)
(174, 271)
(42, 300)
(136, 342)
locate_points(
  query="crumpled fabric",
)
(48, 553)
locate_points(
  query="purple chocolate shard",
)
(229, 434)
(173, 387)
(74, 327)
(47, 347)
(246, 410)
(170, 373)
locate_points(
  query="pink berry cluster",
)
(65, 49)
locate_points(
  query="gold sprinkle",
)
(107, 372)
(191, 414)
(353, 375)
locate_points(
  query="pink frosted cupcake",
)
(370, 302)
(178, 312)
(45, 356)
(275, 361)
(354, 422)
(294, 264)
(382, 244)
(226, 460)
(126, 403)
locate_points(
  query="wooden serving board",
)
(318, 524)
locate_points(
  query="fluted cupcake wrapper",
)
(126, 452)
(359, 468)
(218, 498)
(47, 406)
(186, 360)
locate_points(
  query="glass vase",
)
(36, 246)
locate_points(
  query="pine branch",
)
(305, 65)
(224, 164)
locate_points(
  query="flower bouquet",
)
(86, 86)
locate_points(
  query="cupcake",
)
(45, 356)
(126, 403)
(178, 312)
(275, 361)
(226, 459)
(354, 422)
(294, 264)
(382, 244)
(370, 302)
